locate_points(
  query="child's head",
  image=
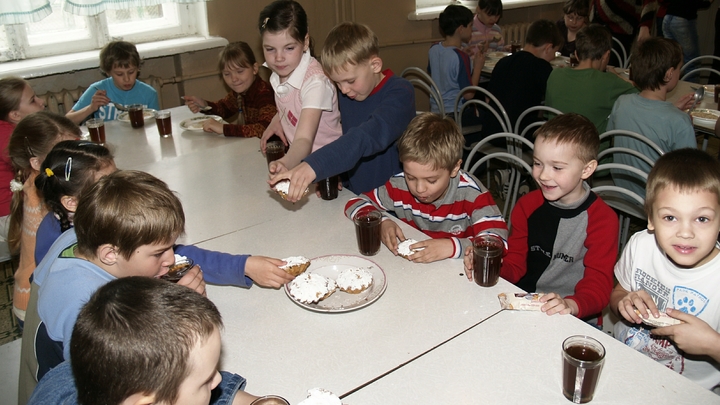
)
(350, 59)
(577, 14)
(456, 17)
(284, 30)
(238, 66)
(67, 170)
(129, 221)
(146, 337)
(565, 154)
(593, 42)
(430, 150)
(121, 61)
(489, 11)
(682, 202)
(545, 36)
(656, 63)
(17, 100)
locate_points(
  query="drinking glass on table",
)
(583, 359)
(96, 127)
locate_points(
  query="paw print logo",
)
(686, 305)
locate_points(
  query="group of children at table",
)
(92, 245)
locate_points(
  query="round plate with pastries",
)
(331, 267)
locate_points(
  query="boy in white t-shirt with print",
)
(674, 267)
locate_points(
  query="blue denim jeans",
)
(685, 33)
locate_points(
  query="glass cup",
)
(487, 260)
(175, 274)
(164, 123)
(135, 113)
(329, 188)
(717, 92)
(274, 150)
(367, 230)
(96, 127)
(574, 61)
(515, 46)
(583, 359)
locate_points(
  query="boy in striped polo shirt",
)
(432, 194)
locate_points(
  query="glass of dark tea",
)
(487, 259)
(328, 188)
(274, 150)
(367, 230)
(135, 114)
(96, 127)
(164, 123)
(583, 359)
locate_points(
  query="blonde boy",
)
(564, 238)
(432, 194)
(375, 108)
(673, 267)
(120, 61)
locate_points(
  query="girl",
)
(576, 17)
(67, 170)
(31, 140)
(251, 97)
(17, 99)
(308, 116)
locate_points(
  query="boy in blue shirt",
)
(375, 108)
(121, 61)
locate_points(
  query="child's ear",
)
(69, 202)
(455, 170)
(14, 116)
(107, 254)
(139, 399)
(255, 68)
(668, 75)
(35, 163)
(306, 42)
(589, 169)
(376, 64)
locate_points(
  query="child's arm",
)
(694, 336)
(303, 141)
(555, 304)
(98, 99)
(274, 128)
(195, 103)
(623, 304)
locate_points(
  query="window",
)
(63, 33)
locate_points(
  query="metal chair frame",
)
(426, 83)
(534, 124)
(700, 69)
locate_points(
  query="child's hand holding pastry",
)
(194, 280)
(431, 250)
(555, 304)
(300, 178)
(390, 233)
(693, 336)
(630, 301)
(265, 271)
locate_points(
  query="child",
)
(588, 89)
(486, 33)
(674, 264)
(576, 16)
(67, 170)
(31, 140)
(656, 70)
(432, 194)
(17, 99)
(121, 61)
(126, 224)
(376, 108)
(308, 116)
(450, 67)
(146, 341)
(250, 97)
(564, 238)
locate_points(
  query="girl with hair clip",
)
(68, 169)
(308, 117)
(17, 99)
(32, 139)
(250, 98)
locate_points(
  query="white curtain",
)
(22, 11)
(94, 7)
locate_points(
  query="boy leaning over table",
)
(564, 238)
(432, 194)
(375, 108)
(674, 267)
(125, 225)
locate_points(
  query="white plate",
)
(703, 120)
(196, 123)
(148, 114)
(330, 267)
(497, 54)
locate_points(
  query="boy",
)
(141, 340)
(656, 70)
(125, 225)
(674, 264)
(450, 67)
(564, 238)
(121, 61)
(518, 80)
(432, 194)
(375, 108)
(486, 33)
(588, 89)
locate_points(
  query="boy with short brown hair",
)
(432, 194)
(564, 238)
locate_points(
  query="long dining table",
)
(431, 337)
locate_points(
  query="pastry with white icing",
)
(404, 250)
(659, 322)
(282, 187)
(295, 264)
(309, 288)
(319, 396)
(354, 281)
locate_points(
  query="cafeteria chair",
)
(421, 79)
(538, 108)
(625, 58)
(699, 59)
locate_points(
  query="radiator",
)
(60, 102)
(515, 32)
